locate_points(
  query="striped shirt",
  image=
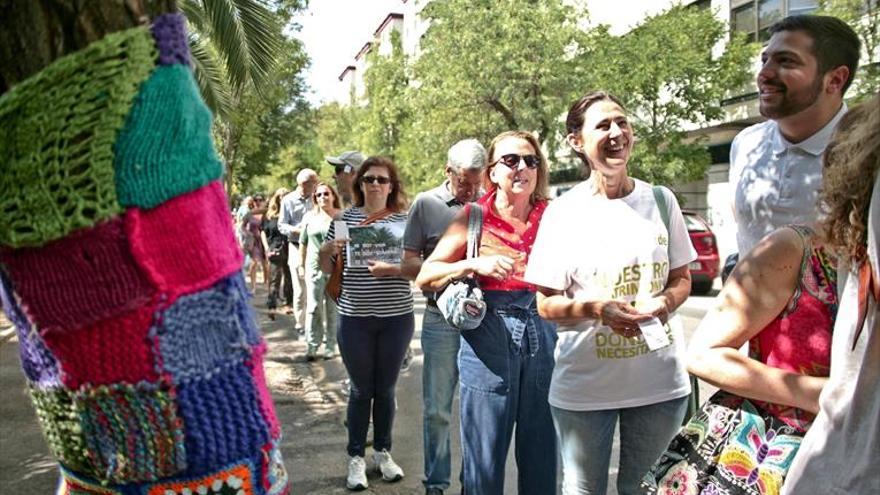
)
(362, 293)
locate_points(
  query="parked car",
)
(706, 267)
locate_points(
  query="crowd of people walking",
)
(568, 331)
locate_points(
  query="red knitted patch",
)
(185, 244)
(109, 351)
(80, 279)
(267, 406)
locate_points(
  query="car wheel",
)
(701, 288)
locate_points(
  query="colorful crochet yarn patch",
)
(119, 433)
(57, 131)
(39, 365)
(185, 244)
(267, 407)
(112, 350)
(169, 31)
(222, 420)
(275, 479)
(236, 480)
(203, 332)
(85, 277)
(165, 148)
(71, 484)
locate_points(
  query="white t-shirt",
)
(593, 248)
(841, 451)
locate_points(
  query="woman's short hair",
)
(336, 203)
(851, 162)
(574, 121)
(397, 199)
(541, 184)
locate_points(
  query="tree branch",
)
(505, 112)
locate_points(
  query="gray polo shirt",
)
(430, 214)
(293, 208)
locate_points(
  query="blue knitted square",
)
(222, 420)
(38, 363)
(204, 332)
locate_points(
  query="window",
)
(754, 17)
(743, 20)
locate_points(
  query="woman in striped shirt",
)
(375, 321)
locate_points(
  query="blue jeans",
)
(372, 349)
(440, 344)
(585, 439)
(505, 367)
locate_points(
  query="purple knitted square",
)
(222, 420)
(169, 31)
(206, 331)
(38, 363)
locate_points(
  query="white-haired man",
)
(294, 206)
(431, 213)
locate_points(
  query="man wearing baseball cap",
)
(345, 166)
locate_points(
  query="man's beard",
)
(791, 103)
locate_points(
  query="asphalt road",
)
(310, 404)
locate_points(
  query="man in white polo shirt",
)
(776, 166)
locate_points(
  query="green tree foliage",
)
(268, 134)
(864, 17)
(234, 44)
(386, 114)
(665, 74)
(488, 66)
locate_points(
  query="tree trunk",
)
(33, 33)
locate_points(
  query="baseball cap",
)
(351, 160)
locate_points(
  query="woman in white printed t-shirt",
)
(608, 267)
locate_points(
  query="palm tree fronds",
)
(210, 76)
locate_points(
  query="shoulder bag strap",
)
(660, 199)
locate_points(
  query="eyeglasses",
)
(325, 194)
(512, 160)
(372, 179)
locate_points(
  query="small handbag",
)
(461, 302)
(334, 283)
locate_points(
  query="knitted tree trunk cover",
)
(120, 271)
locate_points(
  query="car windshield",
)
(694, 224)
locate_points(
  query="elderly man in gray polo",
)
(431, 212)
(294, 206)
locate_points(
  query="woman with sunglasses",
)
(375, 321)
(610, 260)
(320, 309)
(505, 363)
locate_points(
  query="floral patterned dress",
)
(736, 446)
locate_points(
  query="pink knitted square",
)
(267, 406)
(185, 244)
(79, 279)
(109, 351)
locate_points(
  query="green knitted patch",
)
(58, 416)
(57, 131)
(165, 149)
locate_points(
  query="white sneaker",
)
(386, 465)
(357, 474)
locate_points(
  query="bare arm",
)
(446, 263)
(757, 291)
(555, 306)
(411, 264)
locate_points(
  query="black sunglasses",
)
(340, 168)
(372, 179)
(323, 194)
(512, 160)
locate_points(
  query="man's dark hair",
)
(834, 42)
